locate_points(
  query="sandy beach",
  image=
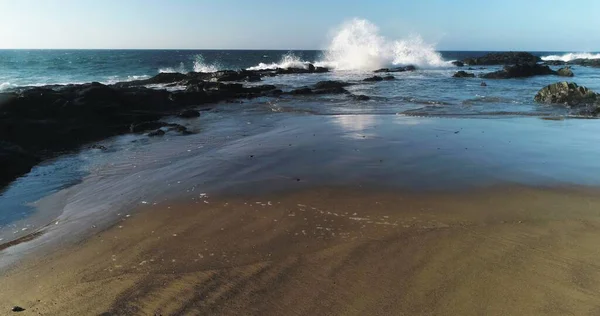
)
(330, 251)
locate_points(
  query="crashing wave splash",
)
(288, 60)
(571, 56)
(357, 45)
(198, 66)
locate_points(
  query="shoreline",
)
(39, 123)
(380, 251)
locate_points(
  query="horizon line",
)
(293, 49)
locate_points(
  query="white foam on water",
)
(357, 45)
(6, 85)
(198, 65)
(288, 60)
(571, 56)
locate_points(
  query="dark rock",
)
(504, 58)
(14, 161)
(18, 309)
(554, 63)
(585, 62)
(397, 69)
(520, 71)
(189, 114)
(96, 146)
(483, 84)
(389, 78)
(567, 93)
(146, 126)
(565, 72)
(458, 63)
(321, 70)
(333, 90)
(301, 91)
(311, 68)
(158, 132)
(373, 79)
(179, 129)
(331, 84)
(361, 97)
(463, 74)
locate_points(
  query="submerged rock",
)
(331, 84)
(504, 58)
(458, 63)
(567, 93)
(520, 71)
(145, 126)
(397, 69)
(565, 72)
(463, 74)
(158, 132)
(189, 114)
(373, 79)
(361, 97)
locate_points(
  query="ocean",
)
(423, 131)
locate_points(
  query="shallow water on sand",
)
(248, 149)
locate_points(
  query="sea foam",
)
(571, 56)
(357, 45)
(288, 60)
(198, 65)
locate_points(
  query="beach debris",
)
(18, 309)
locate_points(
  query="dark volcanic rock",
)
(565, 72)
(463, 74)
(554, 63)
(146, 126)
(158, 132)
(373, 79)
(189, 114)
(361, 97)
(505, 58)
(14, 161)
(567, 93)
(520, 71)
(397, 69)
(483, 84)
(331, 84)
(585, 62)
(458, 63)
(333, 90)
(390, 77)
(301, 91)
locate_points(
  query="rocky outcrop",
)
(463, 74)
(36, 123)
(458, 63)
(397, 69)
(378, 78)
(520, 71)
(504, 58)
(565, 72)
(567, 93)
(14, 161)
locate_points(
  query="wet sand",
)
(330, 251)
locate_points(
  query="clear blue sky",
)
(572, 25)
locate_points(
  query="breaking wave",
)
(571, 56)
(198, 65)
(288, 60)
(357, 45)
